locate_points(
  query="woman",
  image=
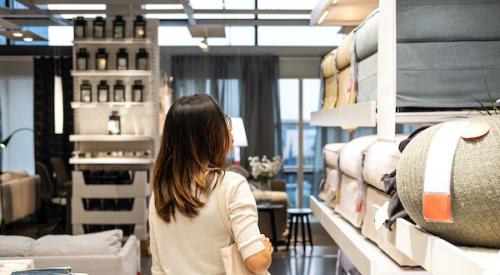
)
(186, 232)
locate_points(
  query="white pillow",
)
(15, 246)
(102, 243)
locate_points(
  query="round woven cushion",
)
(475, 190)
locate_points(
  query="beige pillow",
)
(102, 243)
(15, 246)
(10, 175)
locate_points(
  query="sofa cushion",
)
(102, 243)
(10, 175)
(15, 246)
(352, 155)
(331, 153)
(381, 158)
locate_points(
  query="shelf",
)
(342, 12)
(365, 255)
(111, 73)
(114, 42)
(109, 138)
(360, 114)
(82, 105)
(112, 161)
(364, 115)
(436, 254)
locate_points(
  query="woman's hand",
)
(267, 244)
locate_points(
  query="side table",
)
(270, 208)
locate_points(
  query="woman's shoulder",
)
(232, 179)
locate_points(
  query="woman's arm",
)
(255, 249)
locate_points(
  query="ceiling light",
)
(17, 34)
(76, 6)
(28, 39)
(323, 17)
(162, 7)
(334, 2)
(204, 45)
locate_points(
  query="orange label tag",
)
(437, 208)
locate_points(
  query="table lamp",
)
(239, 137)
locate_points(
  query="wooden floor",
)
(320, 260)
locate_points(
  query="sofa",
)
(97, 253)
(19, 196)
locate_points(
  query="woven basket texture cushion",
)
(352, 155)
(373, 197)
(344, 52)
(381, 158)
(331, 153)
(328, 63)
(475, 191)
(346, 207)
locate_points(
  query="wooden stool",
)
(299, 214)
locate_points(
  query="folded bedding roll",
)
(328, 64)
(367, 36)
(331, 93)
(344, 52)
(446, 74)
(373, 197)
(346, 95)
(346, 206)
(447, 20)
(381, 158)
(367, 79)
(352, 155)
(329, 188)
(331, 153)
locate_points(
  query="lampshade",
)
(239, 134)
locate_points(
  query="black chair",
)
(53, 206)
(63, 179)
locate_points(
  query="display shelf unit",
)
(80, 105)
(365, 255)
(139, 128)
(112, 161)
(365, 115)
(109, 41)
(111, 73)
(140, 186)
(109, 138)
(441, 257)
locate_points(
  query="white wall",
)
(16, 95)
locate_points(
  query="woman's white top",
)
(192, 246)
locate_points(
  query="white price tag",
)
(381, 216)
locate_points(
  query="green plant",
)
(494, 104)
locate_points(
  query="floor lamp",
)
(239, 138)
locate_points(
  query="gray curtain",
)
(244, 86)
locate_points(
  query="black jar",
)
(79, 28)
(82, 59)
(119, 91)
(99, 27)
(103, 91)
(137, 91)
(85, 92)
(101, 59)
(142, 60)
(139, 27)
(122, 59)
(119, 27)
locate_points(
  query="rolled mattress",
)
(366, 39)
(331, 93)
(346, 96)
(328, 64)
(344, 52)
(447, 20)
(447, 74)
(346, 207)
(367, 79)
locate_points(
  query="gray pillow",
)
(102, 243)
(15, 246)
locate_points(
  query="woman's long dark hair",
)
(193, 151)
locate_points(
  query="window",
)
(298, 36)
(295, 93)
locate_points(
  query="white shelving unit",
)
(365, 255)
(139, 130)
(109, 138)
